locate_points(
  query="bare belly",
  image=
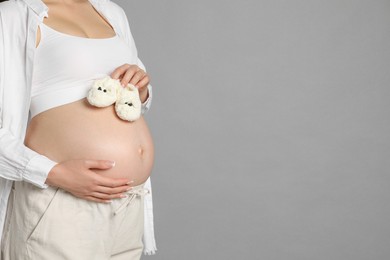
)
(79, 130)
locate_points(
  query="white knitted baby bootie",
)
(128, 103)
(104, 92)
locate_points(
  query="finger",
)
(128, 75)
(91, 198)
(137, 77)
(99, 164)
(116, 190)
(120, 70)
(105, 196)
(143, 83)
(112, 182)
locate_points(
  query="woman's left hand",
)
(131, 73)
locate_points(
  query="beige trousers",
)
(52, 224)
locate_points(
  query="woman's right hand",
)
(76, 177)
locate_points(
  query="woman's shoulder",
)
(115, 8)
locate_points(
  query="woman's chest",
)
(69, 57)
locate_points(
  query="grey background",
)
(271, 127)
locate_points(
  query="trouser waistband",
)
(135, 191)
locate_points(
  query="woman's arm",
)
(17, 161)
(128, 35)
(20, 163)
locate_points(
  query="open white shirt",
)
(19, 21)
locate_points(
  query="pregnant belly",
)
(80, 131)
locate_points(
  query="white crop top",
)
(65, 66)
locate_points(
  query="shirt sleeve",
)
(20, 163)
(148, 102)
(146, 105)
(17, 161)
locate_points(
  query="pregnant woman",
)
(76, 184)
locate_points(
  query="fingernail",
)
(130, 182)
(129, 188)
(108, 201)
(112, 163)
(123, 196)
(123, 84)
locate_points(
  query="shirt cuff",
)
(146, 105)
(37, 169)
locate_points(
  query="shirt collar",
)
(41, 9)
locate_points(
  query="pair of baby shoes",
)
(107, 91)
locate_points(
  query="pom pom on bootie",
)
(128, 103)
(104, 92)
(107, 91)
